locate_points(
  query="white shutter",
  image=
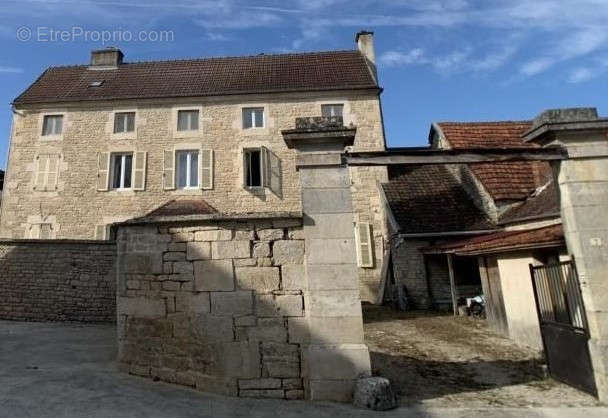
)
(103, 171)
(139, 170)
(33, 232)
(40, 174)
(205, 169)
(52, 172)
(169, 170)
(364, 243)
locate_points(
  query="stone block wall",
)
(51, 280)
(212, 305)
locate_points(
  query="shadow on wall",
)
(57, 280)
(222, 307)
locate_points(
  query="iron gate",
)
(563, 324)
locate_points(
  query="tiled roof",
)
(543, 204)
(334, 70)
(427, 198)
(182, 207)
(502, 180)
(503, 241)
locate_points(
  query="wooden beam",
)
(432, 156)
(453, 289)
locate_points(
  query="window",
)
(253, 168)
(103, 232)
(122, 167)
(187, 169)
(187, 120)
(52, 125)
(363, 238)
(47, 172)
(332, 110)
(121, 170)
(253, 117)
(261, 168)
(124, 122)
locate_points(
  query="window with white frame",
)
(187, 169)
(332, 110)
(47, 172)
(121, 168)
(187, 120)
(52, 125)
(124, 122)
(253, 117)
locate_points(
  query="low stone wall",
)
(56, 280)
(210, 305)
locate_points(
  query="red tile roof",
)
(550, 236)
(427, 198)
(334, 70)
(503, 180)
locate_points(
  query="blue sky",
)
(438, 59)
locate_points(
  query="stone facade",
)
(57, 281)
(214, 305)
(74, 208)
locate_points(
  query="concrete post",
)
(335, 354)
(583, 186)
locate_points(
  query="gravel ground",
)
(437, 360)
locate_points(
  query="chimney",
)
(110, 57)
(365, 44)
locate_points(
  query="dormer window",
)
(52, 125)
(330, 110)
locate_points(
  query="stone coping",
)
(213, 217)
(537, 132)
(55, 241)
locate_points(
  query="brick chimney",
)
(365, 44)
(110, 57)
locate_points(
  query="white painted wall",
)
(519, 298)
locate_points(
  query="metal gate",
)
(563, 324)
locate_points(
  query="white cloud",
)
(580, 75)
(397, 58)
(4, 69)
(536, 66)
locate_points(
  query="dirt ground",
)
(441, 361)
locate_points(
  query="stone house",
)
(98, 144)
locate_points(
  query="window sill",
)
(51, 137)
(187, 134)
(126, 135)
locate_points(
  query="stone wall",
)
(75, 207)
(57, 281)
(410, 271)
(211, 305)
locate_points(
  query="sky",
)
(438, 60)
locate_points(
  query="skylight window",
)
(98, 83)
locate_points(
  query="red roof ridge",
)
(495, 122)
(220, 57)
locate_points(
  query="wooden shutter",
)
(101, 232)
(40, 174)
(139, 170)
(274, 172)
(265, 166)
(205, 169)
(52, 172)
(364, 242)
(169, 170)
(103, 171)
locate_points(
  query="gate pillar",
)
(583, 188)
